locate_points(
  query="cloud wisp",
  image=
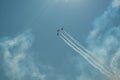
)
(105, 36)
(17, 61)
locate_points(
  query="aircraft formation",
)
(88, 55)
(59, 31)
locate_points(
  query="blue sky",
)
(31, 50)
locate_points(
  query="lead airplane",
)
(62, 29)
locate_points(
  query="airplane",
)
(62, 29)
(57, 34)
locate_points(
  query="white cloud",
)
(116, 3)
(105, 36)
(18, 65)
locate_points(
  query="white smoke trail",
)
(77, 43)
(85, 55)
(91, 54)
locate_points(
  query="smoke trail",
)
(17, 61)
(78, 44)
(91, 54)
(89, 58)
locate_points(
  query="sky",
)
(31, 50)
